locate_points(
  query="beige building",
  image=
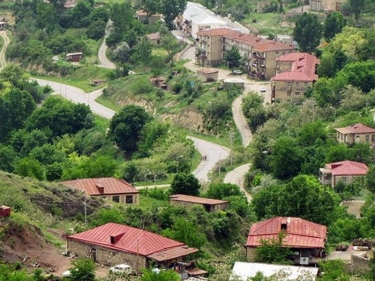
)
(344, 171)
(207, 74)
(296, 73)
(356, 133)
(142, 16)
(325, 5)
(210, 205)
(259, 54)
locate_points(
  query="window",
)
(343, 179)
(297, 93)
(129, 199)
(116, 199)
(373, 138)
(297, 84)
(289, 84)
(367, 138)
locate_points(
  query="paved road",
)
(213, 152)
(6, 42)
(77, 95)
(104, 61)
(236, 176)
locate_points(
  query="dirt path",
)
(6, 40)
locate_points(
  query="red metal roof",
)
(102, 186)
(131, 240)
(347, 168)
(299, 233)
(356, 129)
(303, 68)
(258, 44)
(196, 199)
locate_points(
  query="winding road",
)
(6, 42)
(104, 61)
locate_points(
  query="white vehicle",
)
(262, 89)
(121, 269)
(66, 273)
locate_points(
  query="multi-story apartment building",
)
(295, 74)
(259, 54)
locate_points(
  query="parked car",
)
(237, 72)
(121, 269)
(66, 273)
(262, 89)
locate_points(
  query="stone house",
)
(259, 54)
(356, 133)
(207, 74)
(114, 243)
(142, 16)
(154, 38)
(116, 190)
(344, 171)
(74, 57)
(304, 238)
(295, 74)
(210, 205)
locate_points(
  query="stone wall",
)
(360, 263)
(106, 256)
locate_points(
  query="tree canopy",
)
(334, 23)
(307, 32)
(185, 184)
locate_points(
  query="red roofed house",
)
(210, 205)
(356, 133)
(345, 171)
(295, 74)
(261, 53)
(117, 190)
(305, 239)
(114, 243)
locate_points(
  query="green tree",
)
(162, 275)
(254, 111)
(171, 9)
(83, 269)
(370, 178)
(232, 58)
(334, 23)
(307, 32)
(286, 158)
(185, 184)
(272, 251)
(7, 158)
(126, 126)
(29, 167)
(122, 52)
(185, 231)
(222, 190)
(356, 7)
(96, 29)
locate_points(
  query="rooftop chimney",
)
(100, 187)
(116, 238)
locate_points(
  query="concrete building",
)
(142, 16)
(208, 74)
(344, 171)
(356, 133)
(325, 5)
(295, 74)
(116, 190)
(304, 238)
(210, 205)
(260, 54)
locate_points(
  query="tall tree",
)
(356, 7)
(233, 58)
(171, 9)
(335, 22)
(126, 125)
(308, 32)
(185, 184)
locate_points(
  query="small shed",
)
(97, 82)
(208, 74)
(74, 57)
(154, 38)
(4, 211)
(210, 205)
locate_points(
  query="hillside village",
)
(174, 140)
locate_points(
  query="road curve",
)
(6, 42)
(104, 61)
(236, 177)
(213, 152)
(77, 95)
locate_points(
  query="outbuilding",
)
(210, 205)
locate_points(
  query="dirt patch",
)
(187, 118)
(354, 207)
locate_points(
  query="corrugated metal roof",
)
(350, 168)
(109, 186)
(195, 199)
(172, 253)
(245, 270)
(299, 233)
(131, 240)
(356, 129)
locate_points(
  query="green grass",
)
(101, 122)
(108, 103)
(268, 23)
(81, 78)
(148, 202)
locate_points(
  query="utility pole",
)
(231, 137)
(85, 211)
